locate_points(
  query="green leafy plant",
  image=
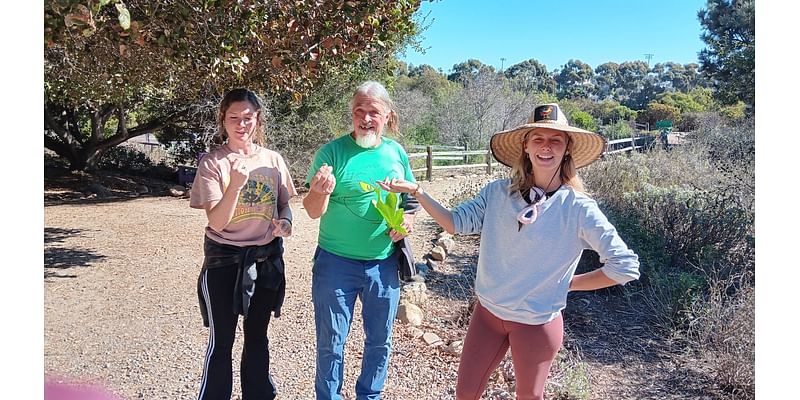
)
(388, 209)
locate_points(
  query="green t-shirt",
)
(352, 227)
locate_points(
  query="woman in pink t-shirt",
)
(245, 190)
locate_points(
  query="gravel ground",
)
(120, 306)
(120, 310)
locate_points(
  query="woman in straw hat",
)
(534, 227)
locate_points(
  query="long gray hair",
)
(377, 91)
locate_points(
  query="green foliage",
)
(734, 112)
(574, 80)
(130, 160)
(423, 78)
(122, 157)
(284, 45)
(617, 130)
(468, 70)
(698, 100)
(389, 209)
(163, 59)
(569, 378)
(658, 111)
(622, 113)
(530, 76)
(729, 60)
(583, 120)
(424, 134)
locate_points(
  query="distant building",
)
(148, 139)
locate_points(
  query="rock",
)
(177, 191)
(410, 314)
(438, 253)
(142, 189)
(448, 244)
(455, 347)
(415, 332)
(432, 339)
(98, 189)
(414, 292)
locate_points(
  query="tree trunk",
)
(83, 150)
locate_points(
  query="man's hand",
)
(408, 224)
(323, 182)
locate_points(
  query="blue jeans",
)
(336, 283)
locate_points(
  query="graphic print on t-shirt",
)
(352, 190)
(256, 200)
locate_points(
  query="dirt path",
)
(121, 309)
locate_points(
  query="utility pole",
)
(648, 56)
(502, 62)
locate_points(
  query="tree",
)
(729, 60)
(108, 61)
(574, 80)
(583, 120)
(657, 111)
(682, 78)
(698, 100)
(425, 78)
(606, 77)
(632, 81)
(468, 70)
(530, 76)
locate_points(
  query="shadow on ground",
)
(59, 259)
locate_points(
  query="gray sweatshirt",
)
(524, 275)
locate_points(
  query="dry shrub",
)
(689, 213)
(569, 375)
(722, 333)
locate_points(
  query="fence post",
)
(429, 164)
(488, 162)
(466, 161)
(633, 142)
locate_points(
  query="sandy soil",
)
(120, 309)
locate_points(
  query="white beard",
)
(367, 141)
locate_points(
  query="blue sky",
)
(553, 32)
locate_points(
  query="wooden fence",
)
(452, 153)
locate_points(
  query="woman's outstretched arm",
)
(438, 212)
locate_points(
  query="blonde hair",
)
(377, 91)
(522, 171)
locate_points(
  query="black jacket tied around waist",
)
(260, 266)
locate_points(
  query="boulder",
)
(410, 314)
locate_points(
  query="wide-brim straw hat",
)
(507, 146)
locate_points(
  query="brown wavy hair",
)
(234, 96)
